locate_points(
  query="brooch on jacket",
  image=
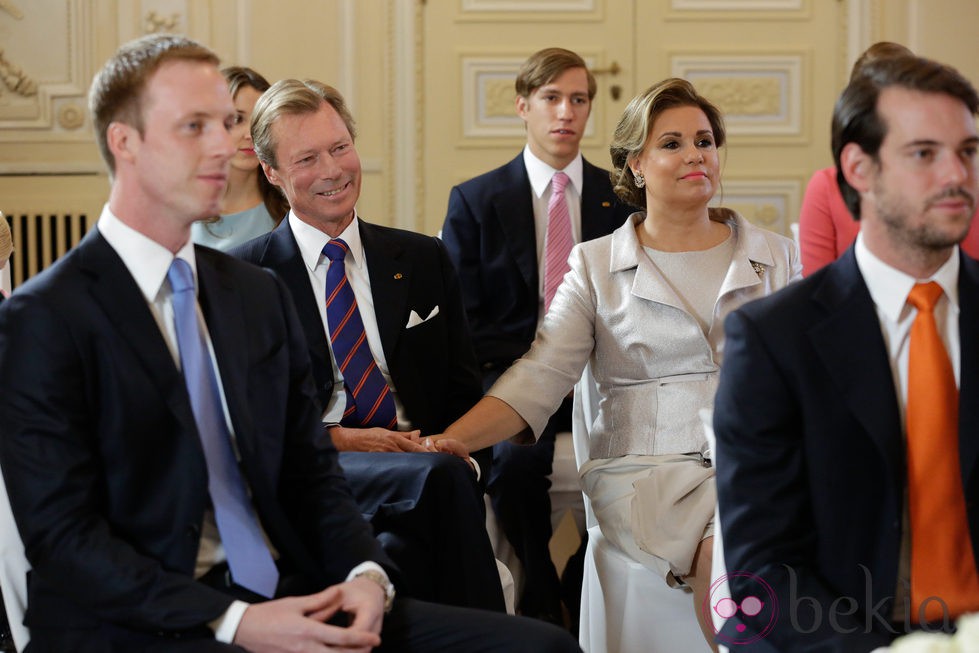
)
(758, 268)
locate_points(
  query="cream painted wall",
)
(374, 52)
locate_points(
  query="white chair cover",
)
(719, 586)
(625, 607)
(13, 571)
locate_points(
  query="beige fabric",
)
(670, 510)
(653, 365)
(612, 484)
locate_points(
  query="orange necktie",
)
(942, 564)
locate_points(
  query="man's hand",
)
(375, 439)
(297, 623)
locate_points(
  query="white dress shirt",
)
(311, 242)
(540, 175)
(148, 262)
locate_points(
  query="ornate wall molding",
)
(772, 203)
(39, 83)
(739, 9)
(527, 5)
(759, 94)
(532, 10)
(157, 23)
(488, 98)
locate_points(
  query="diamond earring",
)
(640, 180)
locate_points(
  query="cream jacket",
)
(652, 363)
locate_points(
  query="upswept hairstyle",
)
(289, 97)
(117, 89)
(544, 66)
(857, 120)
(637, 120)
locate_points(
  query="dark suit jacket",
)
(490, 236)
(432, 365)
(102, 459)
(811, 464)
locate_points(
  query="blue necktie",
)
(369, 400)
(249, 558)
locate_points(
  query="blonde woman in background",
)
(645, 307)
(252, 206)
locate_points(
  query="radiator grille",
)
(41, 238)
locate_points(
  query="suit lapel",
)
(115, 291)
(515, 211)
(850, 344)
(969, 371)
(390, 275)
(597, 209)
(222, 310)
(282, 255)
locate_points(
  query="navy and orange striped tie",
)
(369, 401)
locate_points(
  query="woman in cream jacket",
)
(645, 306)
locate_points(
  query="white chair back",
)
(13, 571)
(719, 586)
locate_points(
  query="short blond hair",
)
(117, 90)
(544, 66)
(6, 241)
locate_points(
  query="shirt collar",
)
(311, 242)
(540, 173)
(147, 260)
(889, 287)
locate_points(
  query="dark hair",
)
(117, 89)
(637, 120)
(544, 66)
(879, 50)
(856, 118)
(289, 97)
(240, 77)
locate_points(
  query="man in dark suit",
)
(160, 445)
(496, 233)
(427, 510)
(836, 455)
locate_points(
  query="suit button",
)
(489, 366)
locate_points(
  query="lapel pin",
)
(758, 268)
(606, 204)
(398, 275)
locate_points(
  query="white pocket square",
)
(414, 319)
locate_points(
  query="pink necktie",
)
(558, 241)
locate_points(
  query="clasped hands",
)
(379, 439)
(299, 623)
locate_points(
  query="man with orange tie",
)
(848, 464)
(509, 232)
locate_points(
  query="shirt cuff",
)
(364, 566)
(226, 626)
(476, 468)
